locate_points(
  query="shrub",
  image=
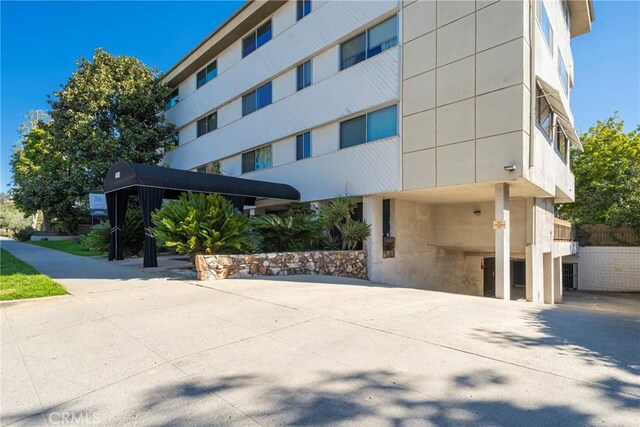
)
(294, 231)
(24, 233)
(204, 224)
(97, 240)
(353, 233)
(340, 229)
(11, 218)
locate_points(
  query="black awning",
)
(126, 175)
(152, 184)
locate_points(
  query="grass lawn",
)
(68, 246)
(19, 280)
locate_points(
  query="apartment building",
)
(448, 120)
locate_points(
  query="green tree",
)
(109, 109)
(39, 173)
(607, 176)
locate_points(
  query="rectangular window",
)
(382, 123)
(353, 132)
(207, 124)
(561, 143)
(303, 145)
(370, 43)
(214, 168)
(257, 99)
(373, 126)
(303, 75)
(172, 99)
(257, 159)
(257, 38)
(386, 217)
(304, 8)
(207, 74)
(544, 114)
(564, 74)
(545, 24)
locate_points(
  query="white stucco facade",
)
(464, 77)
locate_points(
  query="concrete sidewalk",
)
(131, 348)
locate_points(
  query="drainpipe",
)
(532, 84)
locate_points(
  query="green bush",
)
(24, 234)
(204, 224)
(353, 233)
(97, 240)
(294, 231)
(340, 229)
(11, 218)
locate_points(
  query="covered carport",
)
(152, 184)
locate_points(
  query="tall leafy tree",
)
(109, 109)
(39, 172)
(607, 176)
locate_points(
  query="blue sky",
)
(41, 41)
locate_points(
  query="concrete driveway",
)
(127, 348)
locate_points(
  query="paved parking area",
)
(130, 348)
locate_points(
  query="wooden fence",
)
(603, 235)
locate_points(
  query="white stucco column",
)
(372, 214)
(503, 244)
(557, 280)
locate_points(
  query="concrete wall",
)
(609, 268)
(419, 261)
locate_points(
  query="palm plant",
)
(353, 233)
(204, 224)
(294, 231)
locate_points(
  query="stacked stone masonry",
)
(331, 263)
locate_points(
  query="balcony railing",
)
(563, 230)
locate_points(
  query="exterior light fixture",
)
(510, 168)
(477, 212)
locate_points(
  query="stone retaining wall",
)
(332, 263)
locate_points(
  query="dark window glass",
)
(386, 218)
(207, 74)
(353, 132)
(561, 143)
(263, 96)
(207, 124)
(353, 51)
(382, 37)
(544, 115)
(263, 34)
(303, 146)
(202, 126)
(248, 44)
(249, 103)
(201, 78)
(370, 43)
(171, 100)
(382, 123)
(248, 161)
(303, 73)
(304, 8)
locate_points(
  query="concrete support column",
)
(530, 249)
(557, 280)
(547, 268)
(372, 214)
(503, 244)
